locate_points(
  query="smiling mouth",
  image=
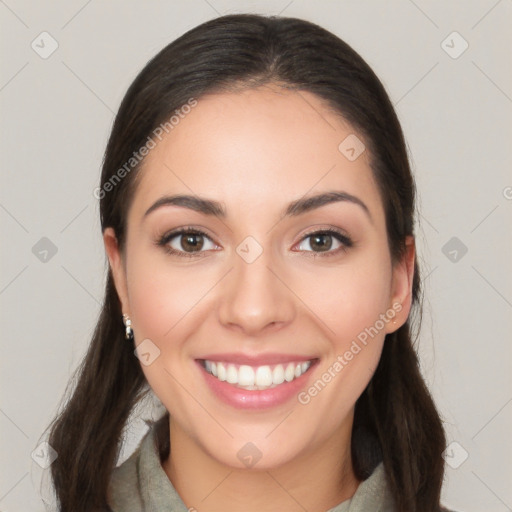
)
(254, 378)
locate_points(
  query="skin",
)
(255, 151)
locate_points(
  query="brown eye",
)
(326, 241)
(186, 242)
(321, 242)
(191, 242)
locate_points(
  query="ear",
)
(401, 286)
(117, 266)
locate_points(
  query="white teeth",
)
(232, 375)
(263, 376)
(246, 376)
(289, 373)
(260, 377)
(221, 371)
(278, 374)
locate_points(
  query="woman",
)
(257, 210)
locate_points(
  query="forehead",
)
(259, 147)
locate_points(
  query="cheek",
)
(165, 305)
(161, 296)
(346, 300)
(350, 302)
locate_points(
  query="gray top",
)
(141, 484)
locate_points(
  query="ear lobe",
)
(403, 274)
(117, 267)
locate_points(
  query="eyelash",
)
(338, 235)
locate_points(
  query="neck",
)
(316, 481)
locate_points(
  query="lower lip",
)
(255, 399)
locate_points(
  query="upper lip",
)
(256, 359)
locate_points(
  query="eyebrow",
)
(295, 208)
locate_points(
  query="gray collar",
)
(140, 484)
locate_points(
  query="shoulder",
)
(372, 494)
(140, 482)
(124, 486)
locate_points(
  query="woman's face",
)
(291, 319)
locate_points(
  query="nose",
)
(255, 297)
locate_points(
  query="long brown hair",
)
(395, 418)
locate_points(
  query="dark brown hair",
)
(395, 418)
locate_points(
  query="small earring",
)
(128, 324)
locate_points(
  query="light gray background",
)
(456, 114)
